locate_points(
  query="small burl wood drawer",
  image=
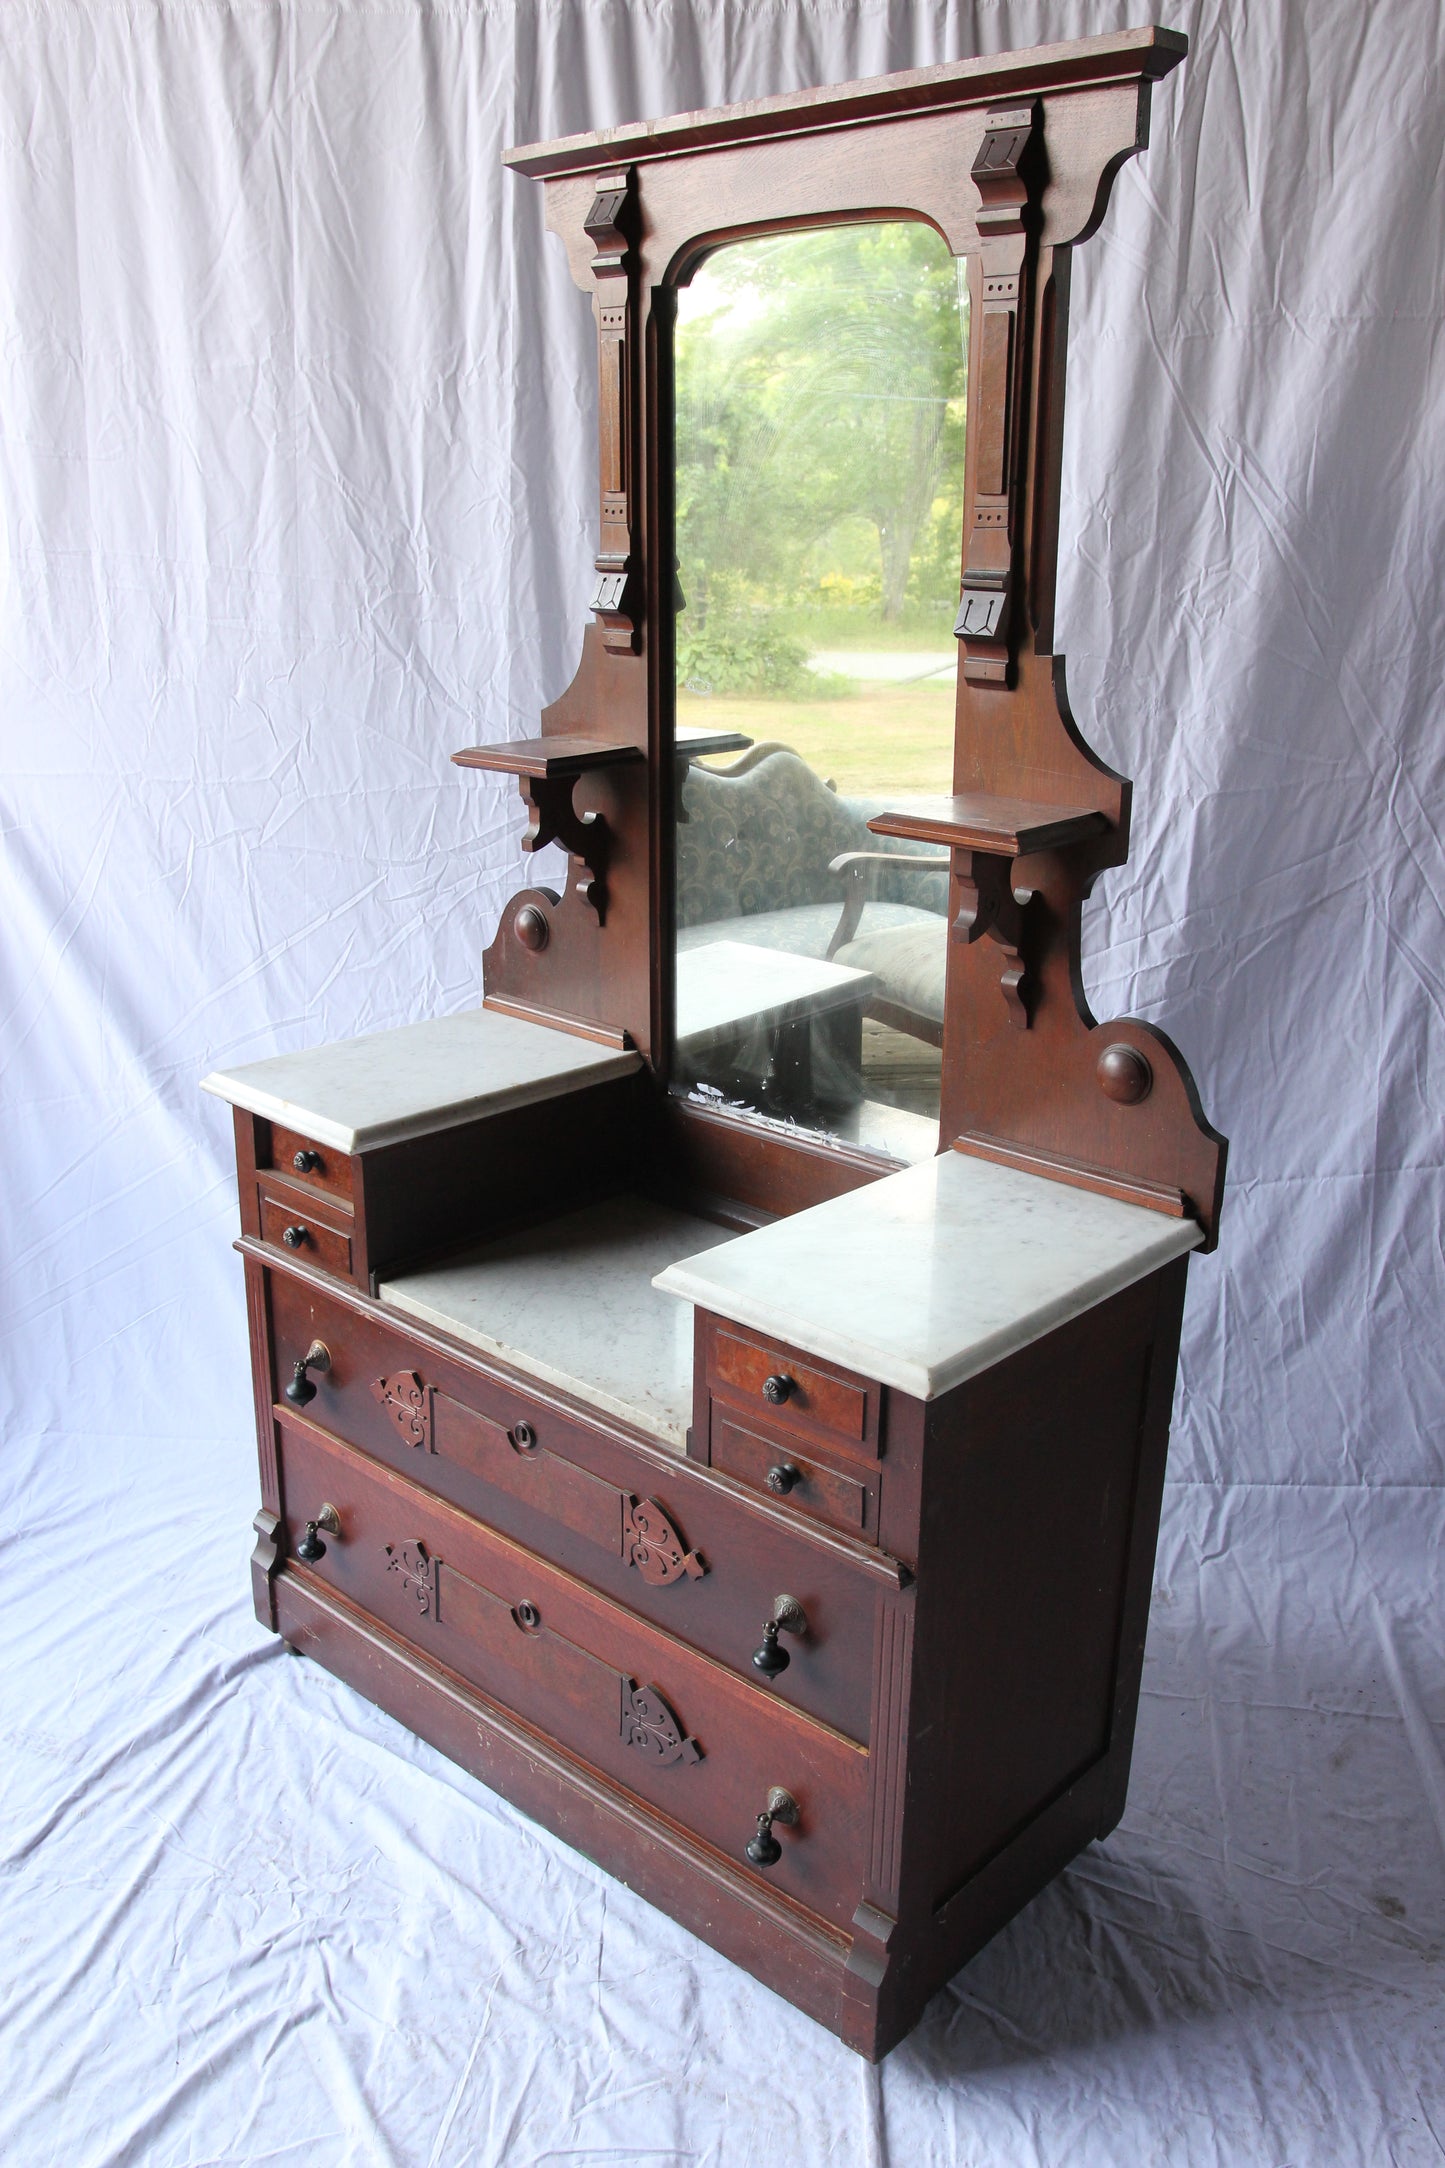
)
(834, 1408)
(651, 1530)
(799, 1480)
(295, 1224)
(301, 1159)
(648, 1713)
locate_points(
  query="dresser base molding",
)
(870, 1989)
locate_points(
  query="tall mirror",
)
(819, 448)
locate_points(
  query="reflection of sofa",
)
(757, 861)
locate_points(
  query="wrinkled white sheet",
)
(289, 511)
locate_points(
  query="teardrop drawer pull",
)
(765, 1850)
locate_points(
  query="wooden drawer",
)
(641, 1525)
(836, 1410)
(683, 1733)
(296, 1224)
(300, 1159)
(813, 1486)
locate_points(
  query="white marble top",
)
(927, 1277)
(358, 1093)
(572, 1302)
(731, 983)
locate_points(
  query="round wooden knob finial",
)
(531, 928)
(1124, 1074)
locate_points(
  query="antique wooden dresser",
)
(718, 1388)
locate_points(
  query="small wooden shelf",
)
(548, 758)
(692, 742)
(1009, 827)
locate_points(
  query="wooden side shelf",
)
(1008, 827)
(547, 769)
(548, 758)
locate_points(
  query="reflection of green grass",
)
(843, 629)
(876, 741)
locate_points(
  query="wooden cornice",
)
(1123, 56)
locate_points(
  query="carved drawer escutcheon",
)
(517, 1640)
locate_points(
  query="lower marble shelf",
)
(572, 1302)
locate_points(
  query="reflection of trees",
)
(820, 380)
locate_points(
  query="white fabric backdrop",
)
(288, 513)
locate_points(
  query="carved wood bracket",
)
(609, 225)
(989, 905)
(553, 818)
(1003, 173)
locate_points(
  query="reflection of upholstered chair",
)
(768, 853)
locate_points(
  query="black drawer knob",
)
(764, 1849)
(782, 1477)
(311, 1547)
(301, 1389)
(307, 1162)
(779, 1388)
(293, 1237)
(788, 1617)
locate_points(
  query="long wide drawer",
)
(652, 1530)
(679, 1731)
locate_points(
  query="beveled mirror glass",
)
(819, 449)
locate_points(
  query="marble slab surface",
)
(929, 1276)
(390, 1085)
(573, 1302)
(728, 984)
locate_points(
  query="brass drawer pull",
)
(765, 1850)
(311, 1547)
(301, 1389)
(788, 1617)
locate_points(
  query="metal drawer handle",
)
(293, 1237)
(765, 1850)
(779, 1388)
(782, 1478)
(301, 1389)
(307, 1162)
(788, 1617)
(311, 1547)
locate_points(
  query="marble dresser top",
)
(572, 1302)
(726, 985)
(358, 1093)
(927, 1277)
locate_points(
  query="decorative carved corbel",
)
(990, 905)
(1002, 173)
(553, 818)
(609, 226)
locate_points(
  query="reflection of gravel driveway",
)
(891, 666)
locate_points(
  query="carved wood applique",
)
(648, 1724)
(408, 1402)
(418, 1571)
(987, 606)
(654, 1547)
(608, 226)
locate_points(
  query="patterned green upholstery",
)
(761, 842)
